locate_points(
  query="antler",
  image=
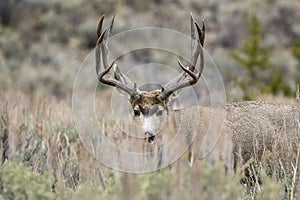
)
(188, 76)
(119, 80)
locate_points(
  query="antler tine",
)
(189, 80)
(187, 70)
(100, 36)
(110, 80)
(193, 34)
(98, 50)
(111, 26)
(201, 67)
(104, 46)
(199, 49)
(196, 42)
(201, 32)
(99, 27)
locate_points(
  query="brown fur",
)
(249, 128)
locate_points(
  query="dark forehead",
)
(149, 98)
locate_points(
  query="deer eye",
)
(136, 112)
(159, 113)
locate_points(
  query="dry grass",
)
(41, 134)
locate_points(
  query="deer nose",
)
(150, 137)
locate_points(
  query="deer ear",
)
(172, 99)
(122, 78)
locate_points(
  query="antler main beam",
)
(106, 77)
(188, 77)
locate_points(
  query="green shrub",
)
(156, 185)
(87, 192)
(19, 182)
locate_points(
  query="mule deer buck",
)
(250, 128)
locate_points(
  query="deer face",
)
(149, 112)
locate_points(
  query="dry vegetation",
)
(42, 45)
(43, 157)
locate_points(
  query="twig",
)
(295, 169)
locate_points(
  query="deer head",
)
(149, 108)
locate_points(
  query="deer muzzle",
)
(150, 137)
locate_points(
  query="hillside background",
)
(44, 42)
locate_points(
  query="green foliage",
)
(215, 184)
(253, 56)
(296, 54)
(278, 83)
(88, 191)
(19, 182)
(296, 50)
(270, 189)
(259, 184)
(156, 185)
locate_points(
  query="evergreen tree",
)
(296, 54)
(254, 58)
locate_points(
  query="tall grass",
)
(40, 148)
